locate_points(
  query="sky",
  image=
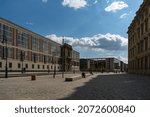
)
(95, 28)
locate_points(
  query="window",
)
(19, 66)
(38, 66)
(51, 67)
(142, 46)
(10, 65)
(1, 33)
(35, 44)
(138, 48)
(146, 43)
(146, 25)
(32, 66)
(34, 57)
(47, 66)
(22, 39)
(45, 47)
(138, 32)
(142, 29)
(146, 62)
(22, 55)
(0, 64)
(26, 65)
(8, 52)
(53, 49)
(43, 66)
(6, 33)
(1, 51)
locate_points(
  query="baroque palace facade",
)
(139, 41)
(23, 51)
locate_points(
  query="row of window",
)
(140, 63)
(24, 55)
(33, 66)
(138, 33)
(22, 40)
(141, 47)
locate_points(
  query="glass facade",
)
(45, 47)
(1, 33)
(24, 45)
(7, 51)
(21, 55)
(53, 49)
(35, 57)
(116, 64)
(1, 51)
(22, 39)
(35, 44)
(5, 34)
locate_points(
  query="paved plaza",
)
(96, 87)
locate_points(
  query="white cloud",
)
(76, 4)
(96, 1)
(124, 59)
(108, 45)
(115, 6)
(97, 42)
(29, 23)
(124, 15)
(44, 1)
(107, 1)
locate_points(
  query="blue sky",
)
(95, 28)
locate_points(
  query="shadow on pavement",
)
(114, 87)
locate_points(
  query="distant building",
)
(139, 41)
(102, 65)
(26, 51)
(71, 58)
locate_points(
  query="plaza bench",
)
(73, 78)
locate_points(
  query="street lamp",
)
(22, 59)
(62, 62)
(6, 52)
(54, 53)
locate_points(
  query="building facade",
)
(26, 51)
(102, 65)
(139, 41)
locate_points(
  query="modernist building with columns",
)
(23, 51)
(103, 65)
(139, 41)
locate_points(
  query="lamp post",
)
(22, 59)
(62, 58)
(54, 53)
(5, 53)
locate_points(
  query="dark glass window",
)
(19, 66)
(38, 66)
(22, 39)
(6, 32)
(45, 47)
(10, 65)
(26, 65)
(32, 66)
(35, 44)
(0, 64)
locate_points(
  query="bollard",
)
(33, 77)
(83, 75)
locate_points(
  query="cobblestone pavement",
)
(96, 87)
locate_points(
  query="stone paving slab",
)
(96, 87)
